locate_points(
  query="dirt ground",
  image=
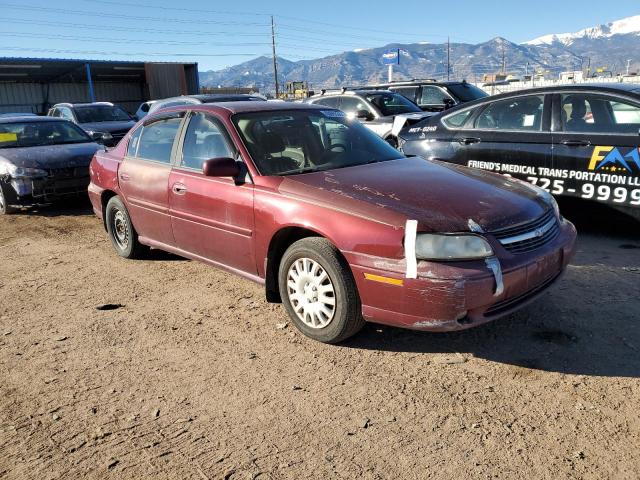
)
(196, 376)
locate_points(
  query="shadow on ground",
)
(76, 206)
(589, 323)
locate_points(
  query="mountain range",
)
(607, 47)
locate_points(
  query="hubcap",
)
(120, 230)
(311, 293)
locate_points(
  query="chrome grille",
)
(529, 236)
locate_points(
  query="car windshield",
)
(392, 103)
(101, 113)
(301, 141)
(466, 92)
(34, 134)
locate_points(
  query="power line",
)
(141, 54)
(89, 26)
(127, 41)
(128, 17)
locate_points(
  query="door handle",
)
(125, 177)
(468, 140)
(179, 188)
(576, 143)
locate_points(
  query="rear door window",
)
(432, 95)
(329, 102)
(353, 105)
(520, 114)
(407, 92)
(156, 140)
(458, 119)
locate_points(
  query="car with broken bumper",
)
(42, 160)
(334, 222)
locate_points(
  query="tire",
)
(5, 199)
(120, 229)
(312, 275)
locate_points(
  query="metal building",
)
(34, 84)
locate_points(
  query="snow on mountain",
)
(629, 25)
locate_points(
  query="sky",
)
(221, 34)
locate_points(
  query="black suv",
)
(433, 96)
(105, 122)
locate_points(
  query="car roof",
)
(31, 119)
(411, 83)
(352, 91)
(86, 104)
(247, 106)
(619, 88)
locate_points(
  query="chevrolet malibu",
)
(335, 223)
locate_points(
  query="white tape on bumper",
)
(410, 233)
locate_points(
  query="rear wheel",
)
(318, 291)
(121, 232)
(5, 199)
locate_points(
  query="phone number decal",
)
(590, 191)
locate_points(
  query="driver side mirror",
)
(221, 167)
(364, 115)
(448, 103)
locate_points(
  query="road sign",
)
(391, 57)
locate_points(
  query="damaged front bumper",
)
(32, 191)
(458, 295)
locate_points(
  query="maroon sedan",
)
(336, 224)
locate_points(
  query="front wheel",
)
(319, 292)
(121, 232)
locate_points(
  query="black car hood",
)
(108, 126)
(51, 156)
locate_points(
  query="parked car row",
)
(312, 200)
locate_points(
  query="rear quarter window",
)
(458, 119)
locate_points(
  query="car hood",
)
(51, 156)
(108, 126)
(442, 197)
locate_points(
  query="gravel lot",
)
(195, 376)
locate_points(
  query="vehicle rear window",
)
(466, 92)
(101, 113)
(156, 140)
(34, 134)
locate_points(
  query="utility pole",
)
(504, 61)
(588, 67)
(275, 59)
(628, 65)
(448, 59)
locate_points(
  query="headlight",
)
(451, 247)
(22, 172)
(99, 135)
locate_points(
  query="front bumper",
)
(43, 190)
(460, 295)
